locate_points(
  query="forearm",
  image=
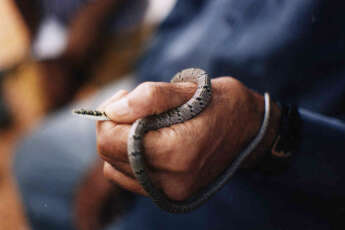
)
(272, 131)
(317, 167)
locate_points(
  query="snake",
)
(135, 148)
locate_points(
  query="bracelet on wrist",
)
(278, 157)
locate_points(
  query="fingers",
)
(112, 141)
(122, 180)
(149, 98)
(165, 150)
(146, 99)
(123, 167)
(159, 146)
(107, 130)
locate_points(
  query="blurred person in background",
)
(69, 38)
(292, 49)
(5, 117)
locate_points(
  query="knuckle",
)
(108, 173)
(102, 143)
(131, 102)
(102, 147)
(229, 82)
(227, 79)
(122, 92)
(150, 91)
(105, 145)
(112, 145)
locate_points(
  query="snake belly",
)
(135, 148)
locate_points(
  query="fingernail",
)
(118, 109)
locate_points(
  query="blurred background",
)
(53, 53)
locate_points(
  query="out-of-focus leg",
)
(51, 162)
(31, 12)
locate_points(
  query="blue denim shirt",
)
(293, 49)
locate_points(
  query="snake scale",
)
(135, 148)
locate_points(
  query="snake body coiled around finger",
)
(195, 105)
(135, 148)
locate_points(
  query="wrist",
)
(272, 131)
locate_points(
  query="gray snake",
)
(190, 109)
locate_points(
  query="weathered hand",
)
(184, 157)
(98, 202)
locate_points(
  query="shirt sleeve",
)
(318, 166)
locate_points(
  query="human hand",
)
(187, 156)
(98, 202)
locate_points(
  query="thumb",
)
(149, 98)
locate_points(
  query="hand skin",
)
(98, 202)
(180, 155)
